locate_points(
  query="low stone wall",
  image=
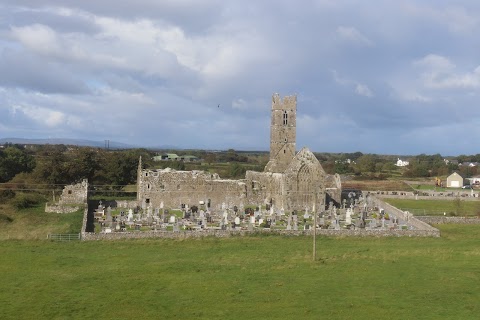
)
(409, 218)
(58, 208)
(447, 220)
(84, 222)
(426, 195)
(233, 233)
(127, 204)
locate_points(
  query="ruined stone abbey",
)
(290, 180)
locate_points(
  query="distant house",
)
(454, 180)
(469, 164)
(402, 163)
(474, 180)
(452, 161)
(188, 158)
(346, 161)
(167, 157)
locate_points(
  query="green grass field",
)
(437, 207)
(35, 223)
(269, 277)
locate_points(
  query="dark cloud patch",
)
(24, 71)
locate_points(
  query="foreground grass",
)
(437, 207)
(244, 278)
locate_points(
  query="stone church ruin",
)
(291, 195)
(290, 181)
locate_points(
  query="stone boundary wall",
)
(447, 220)
(58, 208)
(84, 222)
(127, 204)
(409, 218)
(235, 233)
(467, 196)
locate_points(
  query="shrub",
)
(26, 200)
(6, 195)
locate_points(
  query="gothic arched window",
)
(285, 118)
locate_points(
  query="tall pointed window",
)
(285, 118)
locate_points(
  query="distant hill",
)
(75, 142)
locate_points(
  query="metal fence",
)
(64, 236)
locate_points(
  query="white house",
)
(454, 180)
(474, 180)
(401, 163)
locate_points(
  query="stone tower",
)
(283, 133)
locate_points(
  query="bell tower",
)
(283, 133)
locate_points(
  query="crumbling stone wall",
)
(171, 188)
(73, 197)
(75, 193)
(264, 188)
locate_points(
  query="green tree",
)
(366, 163)
(14, 161)
(210, 158)
(236, 170)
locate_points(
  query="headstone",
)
(237, 221)
(172, 219)
(348, 220)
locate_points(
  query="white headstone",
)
(172, 219)
(348, 219)
(237, 221)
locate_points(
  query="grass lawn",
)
(35, 223)
(258, 277)
(436, 207)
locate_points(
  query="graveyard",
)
(360, 213)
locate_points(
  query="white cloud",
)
(441, 73)
(363, 90)
(353, 35)
(39, 38)
(359, 88)
(44, 116)
(436, 63)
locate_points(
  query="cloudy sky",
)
(388, 77)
